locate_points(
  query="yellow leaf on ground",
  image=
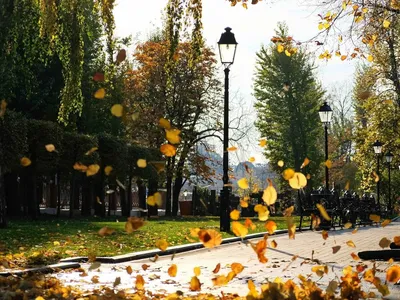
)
(243, 183)
(117, 110)
(139, 285)
(235, 214)
(172, 270)
(129, 270)
(351, 244)
(141, 163)
(393, 274)
(25, 162)
(100, 93)
(195, 284)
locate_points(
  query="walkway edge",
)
(170, 251)
(43, 270)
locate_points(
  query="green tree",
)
(288, 98)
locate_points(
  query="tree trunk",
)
(58, 183)
(32, 202)
(100, 209)
(86, 197)
(3, 213)
(177, 189)
(168, 203)
(141, 193)
(12, 200)
(71, 195)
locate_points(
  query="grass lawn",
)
(49, 239)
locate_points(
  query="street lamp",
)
(378, 150)
(389, 158)
(185, 193)
(227, 49)
(325, 114)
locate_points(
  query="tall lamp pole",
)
(378, 150)
(389, 158)
(325, 114)
(227, 49)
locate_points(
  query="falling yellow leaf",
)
(328, 164)
(347, 187)
(162, 245)
(343, 57)
(263, 142)
(243, 183)
(139, 285)
(370, 58)
(325, 234)
(133, 223)
(270, 195)
(235, 214)
(195, 284)
(93, 149)
(298, 181)
(100, 93)
(386, 222)
(217, 268)
(274, 244)
(350, 244)
(238, 229)
(252, 159)
(56, 243)
(271, 227)
(141, 163)
(347, 225)
(98, 200)
(121, 55)
(232, 149)
(291, 227)
(281, 164)
(376, 176)
(384, 243)
(168, 150)
(3, 106)
(308, 176)
(386, 24)
(172, 270)
(263, 212)
(288, 174)
(393, 274)
(305, 163)
(129, 270)
(172, 135)
(50, 148)
(354, 231)
(25, 162)
(323, 212)
(244, 203)
(197, 271)
(108, 170)
(210, 238)
(375, 218)
(249, 224)
(106, 231)
(117, 110)
(280, 48)
(335, 249)
(92, 170)
(287, 53)
(237, 268)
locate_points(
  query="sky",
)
(253, 28)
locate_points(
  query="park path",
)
(306, 245)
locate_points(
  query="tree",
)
(288, 99)
(189, 101)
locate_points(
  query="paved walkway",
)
(307, 245)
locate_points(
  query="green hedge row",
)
(21, 137)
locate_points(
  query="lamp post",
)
(325, 114)
(389, 158)
(227, 50)
(378, 150)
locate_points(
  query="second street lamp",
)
(227, 49)
(378, 150)
(325, 114)
(389, 158)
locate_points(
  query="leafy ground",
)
(49, 239)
